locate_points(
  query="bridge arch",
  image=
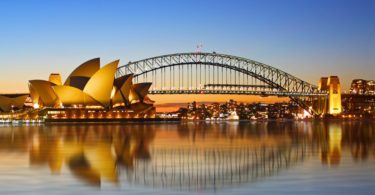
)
(207, 73)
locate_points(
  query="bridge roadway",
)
(233, 92)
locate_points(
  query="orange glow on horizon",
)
(170, 103)
(13, 87)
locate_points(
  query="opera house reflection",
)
(186, 156)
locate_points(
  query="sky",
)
(306, 38)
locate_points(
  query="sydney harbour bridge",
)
(213, 73)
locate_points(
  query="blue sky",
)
(307, 38)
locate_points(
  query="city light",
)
(218, 97)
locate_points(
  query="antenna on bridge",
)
(199, 48)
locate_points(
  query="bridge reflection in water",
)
(214, 167)
(187, 156)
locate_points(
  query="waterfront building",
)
(90, 91)
(358, 86)
(362, 87)
(370, 87)
(10, 102)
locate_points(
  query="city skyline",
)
(307, 39)
(187, 97)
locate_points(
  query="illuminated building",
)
(55, 78)
(86, 86)
(90, 91)
(11, 102)
(360, 102)
(358, 86)
(362, 87)
(370, 87)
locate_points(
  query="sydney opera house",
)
(89, 92)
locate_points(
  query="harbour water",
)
(229, 157)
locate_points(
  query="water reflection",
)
(331, 154)
(187, 156)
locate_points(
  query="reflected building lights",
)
(213, 155)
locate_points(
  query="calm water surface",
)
(189, 158)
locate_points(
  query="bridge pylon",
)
(330, 104)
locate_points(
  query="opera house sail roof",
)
(88, 86)
(10, 101)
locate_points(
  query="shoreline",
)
(165, 120)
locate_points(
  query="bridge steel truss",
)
(212, 73)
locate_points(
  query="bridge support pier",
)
(331, 104)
